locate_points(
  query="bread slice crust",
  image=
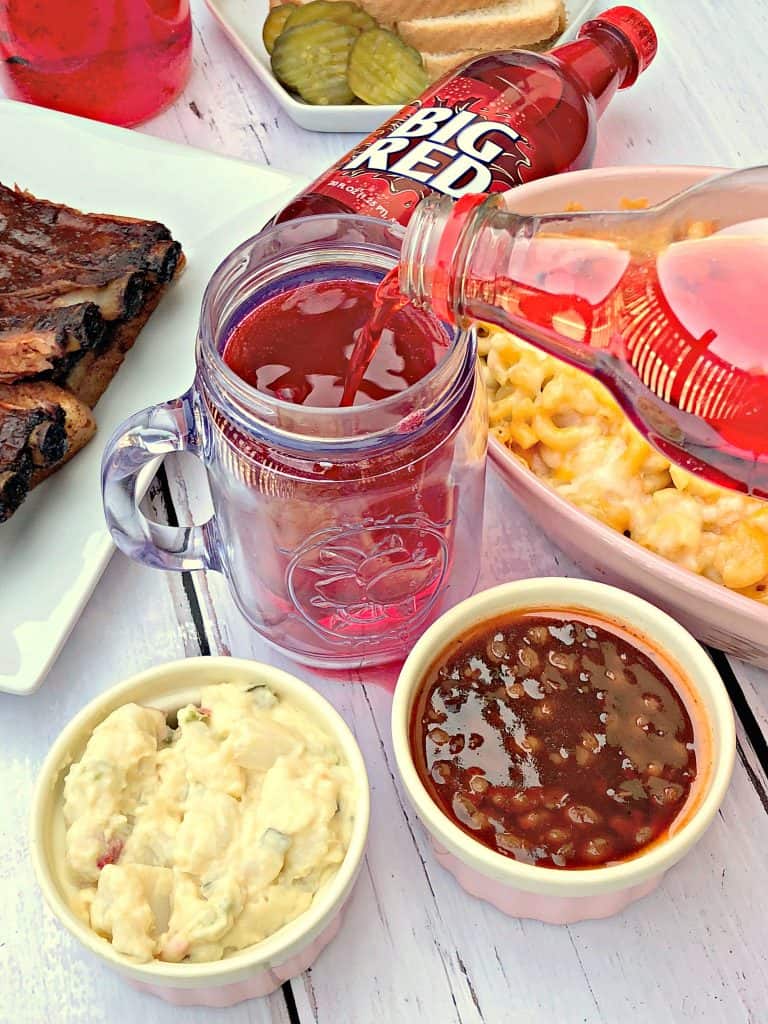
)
(507, 25)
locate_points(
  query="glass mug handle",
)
(137, 442)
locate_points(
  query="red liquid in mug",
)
(371, 564)
(120, 61)
(298, 345)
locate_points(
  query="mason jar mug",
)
(343, 533)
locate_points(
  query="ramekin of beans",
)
(564, 743)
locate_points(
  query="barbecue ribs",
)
(75, 290)
(41, 427)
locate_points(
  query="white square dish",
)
(242, 21)
(53, 551)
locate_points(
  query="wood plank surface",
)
(414, 946)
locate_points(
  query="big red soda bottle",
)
(496, 122)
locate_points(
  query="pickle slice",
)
(312, 60)
(349, 13)
(343, 11)
(383, 70)
(275, 24)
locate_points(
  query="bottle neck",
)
(430, 267)
(475, 260)
(604, 60)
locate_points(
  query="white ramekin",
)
(257, 970)
(549, 894)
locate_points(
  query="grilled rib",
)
(75, 290)
(28, 425)
(14, 485)
(54, 259)
(41, 427)
(39, 343)
(93, 250)
(117, 298)
(91, 376)
(31, 433)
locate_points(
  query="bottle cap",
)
(638, 31)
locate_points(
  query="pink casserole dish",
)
(544, 893)
(714, 614)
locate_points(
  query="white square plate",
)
(242, 22)
(53, 551)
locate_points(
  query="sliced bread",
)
(493, 27)
(439, 64)
(389, 12)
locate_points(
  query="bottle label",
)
(458, 140)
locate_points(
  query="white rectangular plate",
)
(53, 551)
(242, 22)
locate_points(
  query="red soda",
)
(498, 121)
(120, 61)
(664, 306)
(268, 349)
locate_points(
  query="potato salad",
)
(191, 839)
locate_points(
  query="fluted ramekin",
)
(256, 970)
(550, 894)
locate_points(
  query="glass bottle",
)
(495, 122)
(666, 306)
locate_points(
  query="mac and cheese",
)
(569, 431)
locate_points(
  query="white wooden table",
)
(415, 947)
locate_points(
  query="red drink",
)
(297, 345)
(342, 532)
(497, 122)
(121, 61)
(667, 307)
(687, 327)
(321, 343)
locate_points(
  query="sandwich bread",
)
(497, 26)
